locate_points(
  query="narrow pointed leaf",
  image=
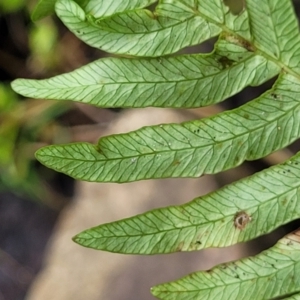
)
(190, 149)
(98, 8)
(182, 81)
(236, 213)
(173, 26)
(273, 273)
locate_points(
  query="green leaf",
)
(45, 8)
(182, 81)
(273, 273)
(190, 149)
(275, 31)
(101, 8)
(42, 9)
(236, 213)
(173, 26)
(256, 42)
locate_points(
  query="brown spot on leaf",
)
(225, 62)
(176, 163)
(241, 219)
(239, 41)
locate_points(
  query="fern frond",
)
(258, 43)
(236, 213)
(273, 273)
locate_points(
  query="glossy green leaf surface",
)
(271, 274)
(236, 213)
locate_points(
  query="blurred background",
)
(40, 210)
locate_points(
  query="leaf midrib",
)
(106, 28)
(225, 29)
(257, 49)
(107, 159)
(150, 82)
(193, 225)
(233, 283)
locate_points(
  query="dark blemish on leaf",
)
(247, 46)
(241, 219)
(275, 96)
(246, 116)
(225, 62)
(239, 42)
(198, 243)
(237, 276)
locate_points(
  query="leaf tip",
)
(38, 153)
(155, 291)
(76, 239)
(15, 84)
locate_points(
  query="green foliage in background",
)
(257, 40)
(22, 125)
(27, 124)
